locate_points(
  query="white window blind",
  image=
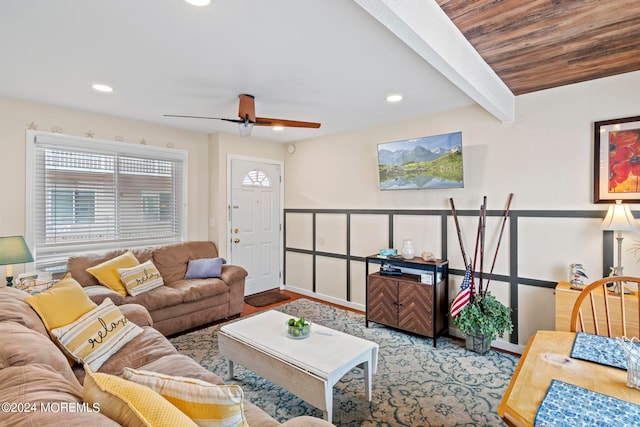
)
(88, 195)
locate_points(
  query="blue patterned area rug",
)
(416, 384)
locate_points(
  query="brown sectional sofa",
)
(34, 371)
(180, 304)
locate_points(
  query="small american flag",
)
(464, 294)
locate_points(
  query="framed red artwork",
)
(617, 160)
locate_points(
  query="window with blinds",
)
(87, 195)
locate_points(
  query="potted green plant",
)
(483, 320)
(479, 316)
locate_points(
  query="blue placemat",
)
(567, 405)
(598, 349)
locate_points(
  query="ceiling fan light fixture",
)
(245, 128)
(394, 97)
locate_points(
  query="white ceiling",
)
(327, 61)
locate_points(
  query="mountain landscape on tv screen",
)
(430, 162)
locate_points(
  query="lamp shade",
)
(14, 250)
(619, 218)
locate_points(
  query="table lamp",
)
(619, 218)
(13, 250)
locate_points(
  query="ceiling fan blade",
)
(247, 117)
(264, 121)
(247, 107)
(200, 117)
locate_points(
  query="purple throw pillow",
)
(204, 268)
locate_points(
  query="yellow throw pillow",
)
(209, 405)
(97, 335)
(130, 404)
(107, 272)
(61, 304)
(141, 278)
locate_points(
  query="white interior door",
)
(255, 222)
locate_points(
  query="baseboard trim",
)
(499, 343)
(327, 298)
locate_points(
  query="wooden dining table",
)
(547, 357)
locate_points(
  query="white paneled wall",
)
(335, 273)
(369, 233)
(331, 233)
(424, 231)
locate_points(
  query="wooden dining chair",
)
(602, 312)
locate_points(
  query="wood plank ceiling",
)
(539, 44)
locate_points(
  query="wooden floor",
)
(249, 309)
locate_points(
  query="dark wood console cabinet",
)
(403, 302)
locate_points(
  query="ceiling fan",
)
(247, 114)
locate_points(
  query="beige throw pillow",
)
(141, 278)
(97, 335)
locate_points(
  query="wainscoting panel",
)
(299, 271)
(300, 230)
(581, 243)
(331, 233)
(423, 230)
(529, 319)
(357, 286)
(326, 248)
(369, 233)
(330, 274)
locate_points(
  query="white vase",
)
(407, 249)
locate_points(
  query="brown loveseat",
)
(180, 304)
(39, 388)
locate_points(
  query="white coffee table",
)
(308, 368)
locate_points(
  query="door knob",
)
(236, 240)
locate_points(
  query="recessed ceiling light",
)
(198, 2)
(396, 97)
(102, 88)
(278, 128)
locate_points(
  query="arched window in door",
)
(256, 178)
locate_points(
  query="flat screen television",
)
(421, 163)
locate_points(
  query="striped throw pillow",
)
(97, 335)
(130, 404)
(208, 405)
(141, 278)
